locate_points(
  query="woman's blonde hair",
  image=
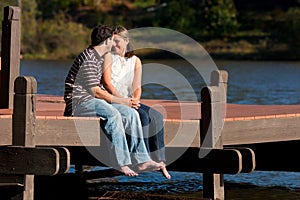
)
(123, 32)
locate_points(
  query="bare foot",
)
(127, 171)
(164, 170)
(149, 166)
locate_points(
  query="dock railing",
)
(48, 146)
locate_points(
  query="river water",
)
(250, 82)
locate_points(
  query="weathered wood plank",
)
(10, 54)
(71, 132)
(6, 130)
(184, 133)
(29, 160)
(64, 160)
(237, 132)
(213, 102)
(23, 128)
(275, 156)
(248, 159)
(219, 161)
(180, 159)
(261, 130)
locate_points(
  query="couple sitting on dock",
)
(105, 81)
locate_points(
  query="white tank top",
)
(123, 74)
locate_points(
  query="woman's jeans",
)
(153, 130)
(123, 130)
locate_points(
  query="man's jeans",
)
(122, 127)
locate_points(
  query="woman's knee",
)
(155, 115)
(144, 116)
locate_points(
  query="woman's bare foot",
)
(149, 166)
(164, 170)
(127, 171)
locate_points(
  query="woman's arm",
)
(106, 77)
(137, 80)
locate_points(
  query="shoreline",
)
(242, 56)
(217, 49)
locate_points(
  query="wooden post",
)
(10, 54)
(213, 107)
(24, 116)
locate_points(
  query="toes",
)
(127, 171)
(149, 166)
(165, 173)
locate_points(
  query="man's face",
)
(110, 42)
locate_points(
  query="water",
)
(249, 83)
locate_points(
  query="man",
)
(86, 96)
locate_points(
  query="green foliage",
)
(177, 15)
(221, 18)
(56, 29)
(288, 30)
(144, 3)
(59, 38)
(29, 25)
(50, 7)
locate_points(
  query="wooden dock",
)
(244, 124)
(210, 136)
(269, 131)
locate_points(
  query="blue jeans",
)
(153, 130)
(122, 127)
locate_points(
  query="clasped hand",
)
(134, 103)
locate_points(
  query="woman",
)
(123, 79)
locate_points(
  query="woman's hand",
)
(135, 103)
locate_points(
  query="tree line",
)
(55, 29)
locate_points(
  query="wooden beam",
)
(6, 131)
(238, 132)
(225, 161)
(261, 130)
(216, 161)
(275, 156)
(248, 159)
(23, 129)
(10, 54)
(68, 132)
(213, 102)
(64, 159)
(29, 160)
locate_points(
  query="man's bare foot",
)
(127, 171)
(164, 170)
(149, 166)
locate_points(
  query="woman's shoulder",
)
(135, 58)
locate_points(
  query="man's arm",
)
(106, 77)
(99, 93)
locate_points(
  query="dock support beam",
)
(24, 123)
(10, 54)
(213, 107)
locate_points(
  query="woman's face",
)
(120, 44)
